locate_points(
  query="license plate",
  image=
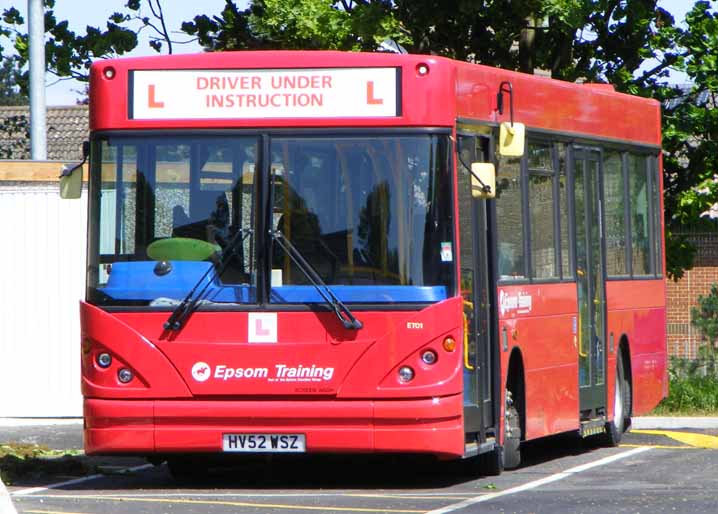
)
(270, 443)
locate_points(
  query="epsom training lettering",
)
(281, 373)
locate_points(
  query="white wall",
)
(42, 279)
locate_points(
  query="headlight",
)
(406, 374)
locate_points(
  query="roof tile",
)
(67, 128)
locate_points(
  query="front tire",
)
(512, 435)
(491, 464)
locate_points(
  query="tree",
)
(632, 44)
(705, 319)
(14, 129)
(690, 137)
(67, 54)
(10, 93)
(305, 24)
(593, 40)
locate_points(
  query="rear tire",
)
(616, 427)
(512, 435)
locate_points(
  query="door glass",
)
(466, 241)
(590, 282)
(597, 343)
(584, 324)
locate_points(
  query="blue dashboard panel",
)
(137, 280)
(361, 294)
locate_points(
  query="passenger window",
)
(640, 222)
(541, 211)
(616, 264)
(509, 220)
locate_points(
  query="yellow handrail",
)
(467, 365)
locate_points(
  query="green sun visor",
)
(181, 249)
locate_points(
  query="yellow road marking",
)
(52, 512)
(659, 446)
(691, 439)
(404, 497)
(232, 504)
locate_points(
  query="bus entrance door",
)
(590, 280)
(478, 291)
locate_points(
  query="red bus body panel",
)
(363, 407)
(544, 334)
(449, 91)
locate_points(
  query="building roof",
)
(67, 128)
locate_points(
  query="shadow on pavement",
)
(328, 471)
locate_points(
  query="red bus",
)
(292, 252)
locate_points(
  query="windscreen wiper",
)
(190, 302)
(342, 311)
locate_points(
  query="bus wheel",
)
(615, 428)
(491, 464)
(512, 435)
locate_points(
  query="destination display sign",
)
(243, 94)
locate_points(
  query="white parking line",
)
(538, 483)
(33, 490)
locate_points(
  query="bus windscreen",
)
(372, 215)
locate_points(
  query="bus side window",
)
(509, 220)
(541, 179)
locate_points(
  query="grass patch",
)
(20, 460)
(691, 395)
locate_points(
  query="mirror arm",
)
(505, 87)
(68, 169)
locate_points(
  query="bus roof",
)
(316, 89)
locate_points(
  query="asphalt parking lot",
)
(651, 472)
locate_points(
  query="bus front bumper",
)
(147, 427)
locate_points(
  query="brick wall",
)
(683, 338)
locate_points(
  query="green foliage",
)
(67, 54)
(9, 88)
(21, 460)
(632, 44)
(705, 318)
(690, 395)
(690, 127)
(16, 131)
(693, 388)
(304, 24)
(679, 254)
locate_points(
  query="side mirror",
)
(71, 176)
(511, 139)
(483, 180)
(71, 182)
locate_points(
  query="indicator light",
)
(429, 357)
(406, 374)
(109, 72)
(104, 360)
(124, 375)
(422, 69)
(449, 344)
